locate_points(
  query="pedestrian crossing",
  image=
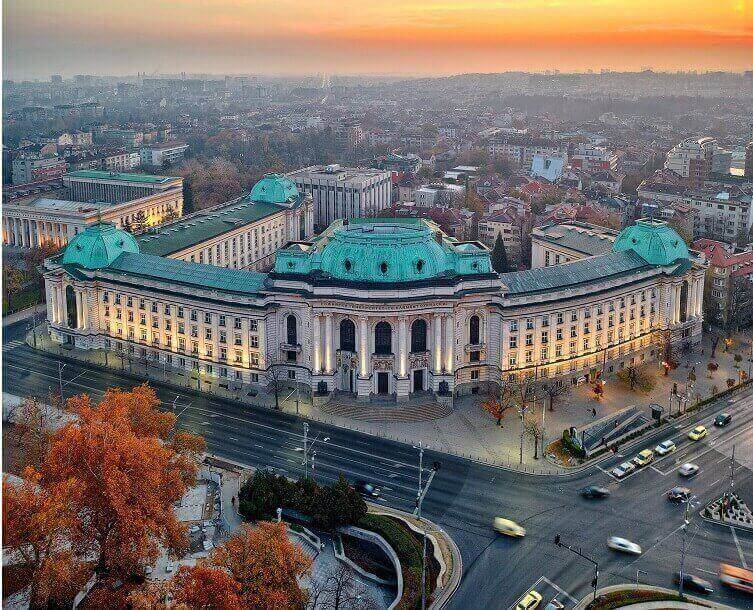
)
(11, 345)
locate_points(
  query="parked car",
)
(688, 470)
(697, 584)
(555, 604)
(722, 419)
(595, 492)
(623, 470)
(643, 458)
(508, 527)
(531, 600)
(665, 448)
(697, 433)
(367, 489)
(679, 494)
(623, 545)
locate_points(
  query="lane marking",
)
(565, 593)
(739, 548)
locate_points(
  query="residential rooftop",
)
(582, 237)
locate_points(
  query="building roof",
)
(545, 279)
(379, 251)
(721, 254)
(63, 205)
(588, 239)
(654, 240)
(188, 274)
(274, 188)
(98, 246)
(90, 174)
(205, 225)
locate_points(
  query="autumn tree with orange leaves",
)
(497, 401)
(107, 487)
(266, 565)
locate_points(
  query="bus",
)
(737, 578)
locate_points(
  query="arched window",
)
(475, 330)
(347, 336)
(383, 338)
(70, 303)
(292, 330)
(418, 336)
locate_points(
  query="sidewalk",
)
(464, 429)
(24, 314)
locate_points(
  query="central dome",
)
(383, 252)
(655, 241)
(274, 188)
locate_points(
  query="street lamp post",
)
(307, 448)
(421, 494)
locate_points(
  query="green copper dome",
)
(274, 188)
(384, 251)
(98, 246)
(655, 241)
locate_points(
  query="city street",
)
(465, 496)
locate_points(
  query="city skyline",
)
(414, 38)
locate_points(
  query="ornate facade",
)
(384, 306)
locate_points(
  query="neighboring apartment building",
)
(692, 159)
(341, 192)
(439, 195)
(558, 243)
(522, 149)
(727, 298)
(31, 168)
(504, 225)
(593, 158)
(163, 153)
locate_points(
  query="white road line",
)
(739, 548)
(705, 571)
(565, 593)
(715, 482)
(657, 470)
(533, 586)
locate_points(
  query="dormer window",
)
(383, 267)
(419, 265)
(348, 265)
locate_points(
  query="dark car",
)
(722, 419)
(366, 489)
(695, 583)
(594, 492)
(678, 494)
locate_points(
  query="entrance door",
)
(383, 384)
(418, 380)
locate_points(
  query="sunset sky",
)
(69, 37)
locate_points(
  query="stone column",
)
(437, 343)
(84, 310)
(317, 332)
(449, 338)
(53, 301)
(678, 299)
(328, 343)
(363, 347)
(78, 309)
(402, 348)
(699, 296)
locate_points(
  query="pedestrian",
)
(593, 411)
(232, 501)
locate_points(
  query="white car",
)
(623, 470)
(688, 470)
(623, 545)
(665, 448)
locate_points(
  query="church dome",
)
(98, 246)
(655, 241)
(274, 188)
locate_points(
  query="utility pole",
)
(305, 448)
(60, 379)
(685, 522)
(595, 581)
(421, 494)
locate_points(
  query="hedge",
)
(571, 446)
(408, 550)
(628, 597)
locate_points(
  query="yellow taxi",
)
(508, 527)
(643, 458)
(531, 600)
(697, 433)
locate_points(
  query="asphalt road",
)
(465, 496)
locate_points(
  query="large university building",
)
(378, 307)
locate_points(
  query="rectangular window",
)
(513, 342)
(180, 312)
(167, 310)
(474, 375)
(223, 336)
(544, 321)
(254, 360)
(223, 353)
(154, 307)
(207, 318)
(559, 334)
(193, 315)
(208, 334)
(529, 339)
(560, 318)
(129, 301)
(558, 351)
(237, 340)
(252, 326)
(222, 320)
(529, 324)
(544, 336)
(512, 362)
(117, 299)
(238, 356)
(182, 344)
(237, 323)
(513, 326)
(105, 297)
(545, 353)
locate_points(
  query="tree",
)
(127, 476)
(266, 566)
(205, 587)
(535, 431)
(499, 256)
(35, 423)
(636, 377)
(337, 505)
(339, 589)
(170, 214)
(498, 401)
(555, 390)
(37, 526)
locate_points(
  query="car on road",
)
(679, 494)
(366, 489)
(695, 583)
(697, 433)
(623, 470)
(722, 419)
(508, 527)
(594, 492)
(623, 545)
(555, 604)
(643, 458)
(688, 469)
(665, 448)
(531, 600)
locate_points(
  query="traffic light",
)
(593, 583)
(557, 540)
(436, 465)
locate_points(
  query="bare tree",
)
(636, 377)
(275, 376)
(498, 400)
(339, 589)
(555, 390)
(535, 431)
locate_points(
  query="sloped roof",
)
(654, 240)
(545, 279)
(98, 246)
